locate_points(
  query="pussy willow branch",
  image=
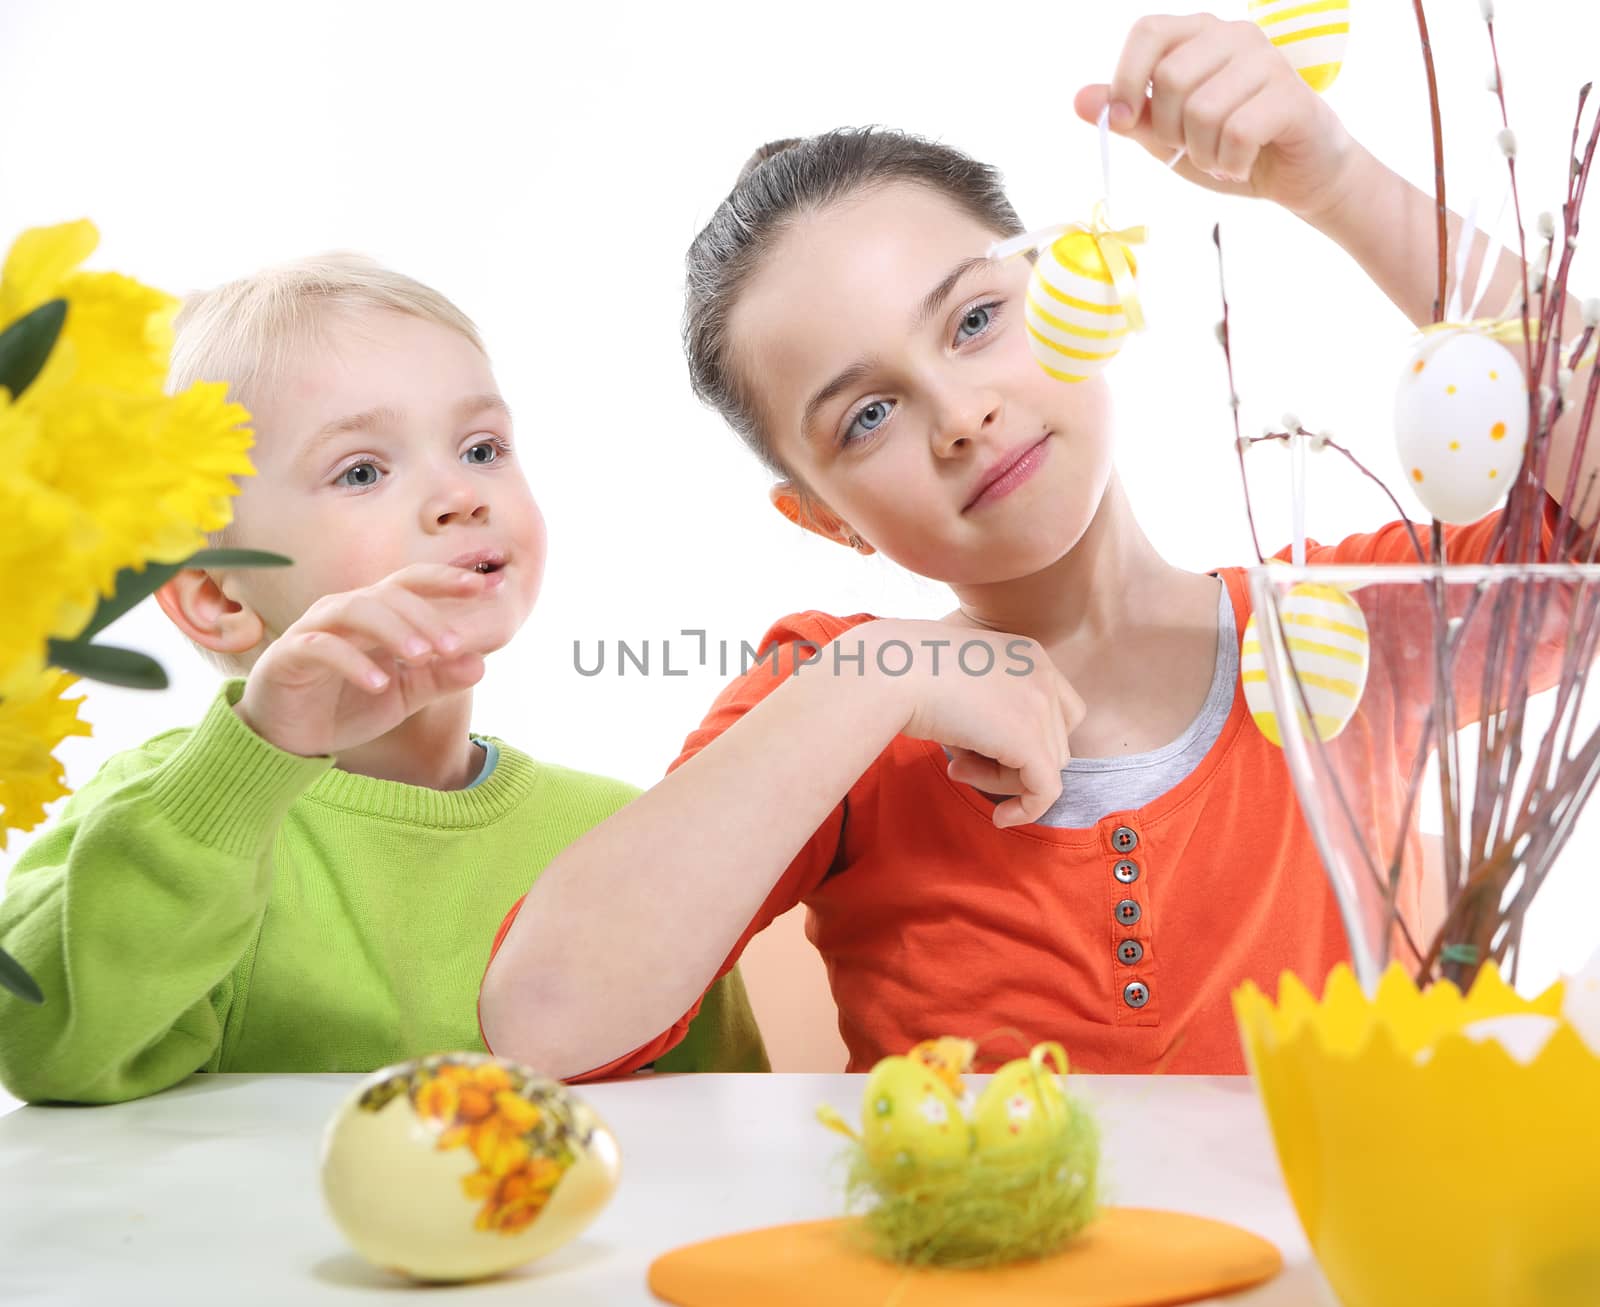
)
(1233, 393)
(1507, 836)
(1438, 161)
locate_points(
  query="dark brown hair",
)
(782, 181)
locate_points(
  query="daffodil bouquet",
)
(108, 485)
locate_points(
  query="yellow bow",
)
(1508, 331)
(1112, 245)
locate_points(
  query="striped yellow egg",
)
(1075, 320)
(1312, 33)
(1326, 633)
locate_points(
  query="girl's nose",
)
(964, 414)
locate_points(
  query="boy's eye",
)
(870, 418)
(485, 451)
(975, 322)
(359, 475)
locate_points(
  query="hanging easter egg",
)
(1460, 423)
(909, 1117)
(1311, 35)
(1075, 315)
(461, 1165)
(1023, 1107)
(1326, 634)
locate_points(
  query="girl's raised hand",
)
(1222, 93)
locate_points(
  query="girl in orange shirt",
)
(1086, 840)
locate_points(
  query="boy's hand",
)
(358, 664)
(1224, 94)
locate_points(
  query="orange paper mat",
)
(1129, 1257)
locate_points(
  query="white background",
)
(546, 166)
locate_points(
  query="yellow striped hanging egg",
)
(1326, 633)
(1075, 320)
(1312, 33)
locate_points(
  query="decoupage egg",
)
(1311, 33)
(1022, 1107)
(1074, 316)
(910, 1118)
(462, 1165)
(1461, 421)
(1326, 633)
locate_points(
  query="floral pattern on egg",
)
(462, 1165)
(1461, 423)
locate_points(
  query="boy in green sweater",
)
(310, 879)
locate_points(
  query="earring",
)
(856, 542)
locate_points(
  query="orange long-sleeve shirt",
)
(933, 922)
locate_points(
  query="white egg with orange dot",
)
(1460, 423)
(1311, 33)
(1075, 318)
(1329, 650)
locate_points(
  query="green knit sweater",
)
(209, 902)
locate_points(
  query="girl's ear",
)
(815, 516)
(198, 608)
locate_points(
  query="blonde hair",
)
(249, 332)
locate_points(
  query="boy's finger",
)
(324, 650)
(437, 579)
(377, 621)
(423, 613)
(1149, 41)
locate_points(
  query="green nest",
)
(981, 1211)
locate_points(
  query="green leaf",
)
(1466, 954)
(26, 344)
(108, 663)
(134, 586)
(18, 981)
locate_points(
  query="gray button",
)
(1129, 952)
(1127, 871)
(1135, 994)
(1129, 912)
(1124, 839)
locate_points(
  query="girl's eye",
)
(975, 321)
(360, 475)
(869, 419)
(486, 451)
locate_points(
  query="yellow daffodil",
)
(32, 724)
(100, 469)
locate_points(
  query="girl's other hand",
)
(1007, 728)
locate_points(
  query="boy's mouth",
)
(487, 561)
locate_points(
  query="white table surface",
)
(208, 1193)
